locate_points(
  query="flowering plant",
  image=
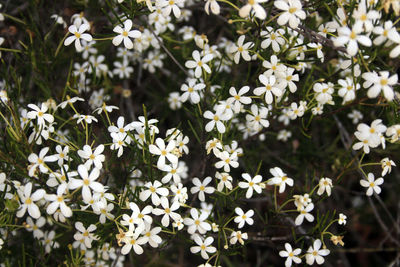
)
(207, 133)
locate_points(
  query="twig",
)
(381, 223)
(167, 51)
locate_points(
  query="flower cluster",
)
(151, 137)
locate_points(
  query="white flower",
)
(87, 118)
(304, 213)
(93, 157)
(215, 145)
(318, 47)
(241, 49)
(238, 98)
(325, 184)
(78, 34)
(287, 79)
(226, 161)
(279, 179)
(48, 241)
(284, 135)
(351, 37)
(163, 152)
(40, 114)
(258, 118)
(119, 142)
(253, 5)
(192, 91)
(323, 92)
(251, 184)
(301, 201)
(28, 201)
(167, 211)
(151, 236)
(197, 223)
(58, 201)
(290, 254)
(105, 213)
(123, 70)
(342, 219)
(35, 226)
(393, 132)
(153, 190)
(202, 187)
(199, 63)
(372, 184)
(62, 154)
(293, 12)
(225, 181)
(125, 33)
(132, 240)
(213, 4)
(216, 120)
(364, 18)
(270, 88)
(238, 236)
(315, 253)
(348, 89)
(273, 38)
(203, 247)
(175, 101)
(87, 182)
(355, 115)
(381, 82)
(85, 236)
(180, 192)
(40, 161)
(387, 164)
(171, 5)
(386, 32)
(369, 136)
(243, 218)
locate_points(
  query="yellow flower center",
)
(363, 17)
(124, 33)
(292, 10)
(385, 33)
(384, 82)
(28, 201)
(77, 35)
(152, 189)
